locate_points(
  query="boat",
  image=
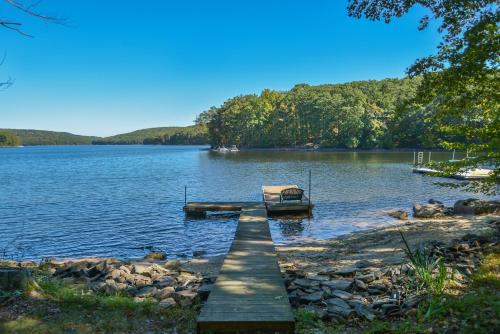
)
(221, 149)
(233, 148)
(424, 170)
(473, 174)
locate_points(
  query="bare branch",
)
(29, 10)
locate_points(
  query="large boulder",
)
(474, 206)
(429, 210)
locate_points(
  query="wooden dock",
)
(271, 197)
(249, 295)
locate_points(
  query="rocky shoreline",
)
(357, 277)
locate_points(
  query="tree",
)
(28, 8)
(9, 139)
(461, 81)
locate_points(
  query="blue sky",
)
(119, 66)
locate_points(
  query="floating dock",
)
(249, 295)
(274, 205)
(471, 174)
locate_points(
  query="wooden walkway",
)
(249, 295)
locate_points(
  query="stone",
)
(172, 264)
(375, 292)
(125, 269)
(156, 255)
(140, 280)
(474, 206)
(167, 303)
(164, 293)
(303, 282)
(314, 297)
(346, 271)
(344, 312)
(398, 214)
(142, 269)
(14, 278)
(337, 284)
(165, 281)
(337, 302)
(204, 291)
(390, 309)
(364, 311)
(366, 278)
(341, 294)
(115, 273)
(360, 285)
(147, 291)
(433, 201)
(428, 210)
(319, 278)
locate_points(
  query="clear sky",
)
(125, 65)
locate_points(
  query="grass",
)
(477, 310)
(64, 308)
(430, 274)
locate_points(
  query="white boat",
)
(473, 174)
(233, 148)
(424, 170)
(221, 149)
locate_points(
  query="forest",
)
(362, 114)
(9, 139)
(189, 135)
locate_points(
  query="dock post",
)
(453, 158)
(414, 158)
(429, 156)
(309, 204)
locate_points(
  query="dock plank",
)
(249, 295)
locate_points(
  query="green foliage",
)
(430, 273)
(461, 82)
(40, 137)
(189, 135)
(7, 138)
(67, 308)
(363, 114)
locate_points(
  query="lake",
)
(78, 201)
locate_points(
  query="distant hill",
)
(42, 137)
(189, 135)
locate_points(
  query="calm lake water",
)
(77, 201)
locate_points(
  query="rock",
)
(363, 264)
(389, 309)
(428, 210)
(319, 278)
(142, 269)
(198, 253)
(115, 273)
(375, 292)
(360, 285)
(476, 207)
(366, 278)
(348, 271)
(172, 264)
(344, 312)
(399, 214)
(156, 255)
(433, 201)
(125, 269)
(341, 294)
(337, 284)
(185, 298)
(364, 311)
(147, 291)
(165, 281)
(315, 297)
(304, 282)
(14, 278)
(167, 303)
(140, 280)
(204, 291)
(164, 293)
(337, 302)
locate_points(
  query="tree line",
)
(362, 114)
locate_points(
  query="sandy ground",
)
(383, 246)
